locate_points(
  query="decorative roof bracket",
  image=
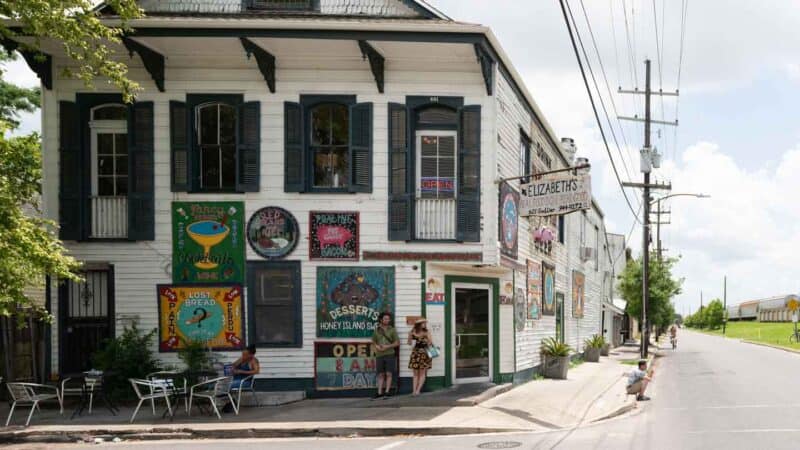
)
(40, 63)
(376, 62)
(487, 66)
(265, 60)
(153, 61)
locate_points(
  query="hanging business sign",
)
(548, 290)
(555, 195)
(272, 232)
(534, 290)
(208, 242)
(350, 300)
(578, 293)
(208, 314)
(509, 220)
(333, 235)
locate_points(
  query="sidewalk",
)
(593, 391)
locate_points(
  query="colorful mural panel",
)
(350, 299)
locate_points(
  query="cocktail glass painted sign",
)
(272, 232)
(208, 314)
(534, 290)
(350, 299)
(208, 242)
(509, 220)
(434, 291)
(548, 289)
(333, 235)
(342, 366)
(578, 293)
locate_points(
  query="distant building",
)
(770, 309)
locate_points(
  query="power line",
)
(659, 61)
(594, 108)
(631, 54)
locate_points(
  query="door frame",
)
(493, 284)
(63, 308)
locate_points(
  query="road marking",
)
(391, 445)
(793, 405)
(753, 430)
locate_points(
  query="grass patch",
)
(773, 333)
(630, 362)
(575, 363)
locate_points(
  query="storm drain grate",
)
(500, 444)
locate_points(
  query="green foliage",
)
(663, 287)
(576, 362)
(15, 99)
(554, 348)
(710, 316)
(84, 38)
(596, 341)
(128, 355)
(195, 355)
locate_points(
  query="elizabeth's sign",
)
(559, 194)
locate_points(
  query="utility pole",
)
(649, 159)
(724, 303)
(659, 212)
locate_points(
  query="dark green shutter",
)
(401, 198)
(141, 179)
(70, 201)
(179, 144)
(468, 203)
(248, 150)
(293, 155)
(361, 147)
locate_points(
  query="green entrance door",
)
(471, 319)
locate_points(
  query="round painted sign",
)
(509, 222)
(272, 232)
(548, 288)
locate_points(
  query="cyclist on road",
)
(673, 335)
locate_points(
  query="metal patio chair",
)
(214, 390)
(173, 379)
(152, 391)
(30, 394)
(247, 383)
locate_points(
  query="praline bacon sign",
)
(554, 195)
(333, 235)
(350, 299)
(208, 314)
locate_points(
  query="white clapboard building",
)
(320, 161)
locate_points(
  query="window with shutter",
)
(70, 172)
(248, 151)
(179, 145)
(141, 198)
(400, 193)
(468, 208)
(274, 302)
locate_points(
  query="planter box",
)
(591, 354)
(605, 350)
(555, 367)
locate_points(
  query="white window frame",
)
(418, 157)
(104, 127)
(198, 137)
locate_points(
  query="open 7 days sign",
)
(557, 194)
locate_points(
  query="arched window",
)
(330, 138)
(215, 125)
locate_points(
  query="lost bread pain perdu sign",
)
(333, 235)
(208, 242)
(344, 366)
(208, 314)
(350, 299)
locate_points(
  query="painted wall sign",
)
(520, 308)
(578, 293)
(207, 242)
(342, 366)
(434, 291)
(209, 314)
(350, 299)
(534, 290)
(548, 289)
(507, 294)
(556, 194)
(272, 232)
(333, 235)
(509, 220)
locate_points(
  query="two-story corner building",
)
(293, 168)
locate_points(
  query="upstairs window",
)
(525, 165)
(215, 125)
(109, 146)
(330, 136)
(437, 165)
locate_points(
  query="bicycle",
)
(674, 341)
(794, 338)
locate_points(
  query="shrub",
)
(195, 356)
(128, 355)
(596, 341)
(552, 347)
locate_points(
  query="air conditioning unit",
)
(587, 253)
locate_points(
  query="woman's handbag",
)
(433, 351)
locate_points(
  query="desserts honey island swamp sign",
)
(207, 242)
(208, 314)
(272, 232)
(350, 299)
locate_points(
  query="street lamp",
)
(680, 195)
(658, 223)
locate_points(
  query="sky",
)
(738, 138)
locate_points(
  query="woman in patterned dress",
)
(419, 362)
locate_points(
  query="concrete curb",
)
(790, 350)
(56, 437)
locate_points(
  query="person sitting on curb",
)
(638, 380)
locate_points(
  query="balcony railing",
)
(109, 217)
(436, 218)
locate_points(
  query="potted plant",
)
(555, 358)
(593, 345)
(606, 349)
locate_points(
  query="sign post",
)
(793, 305)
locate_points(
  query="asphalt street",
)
(711, 393)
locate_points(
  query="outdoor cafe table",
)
(90, 381)
(170, 383)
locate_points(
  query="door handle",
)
(458, 341)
